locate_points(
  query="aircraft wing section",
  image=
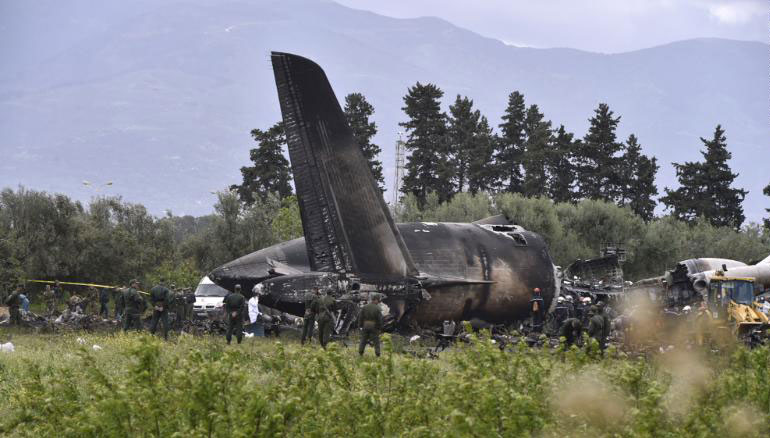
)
(347, 225)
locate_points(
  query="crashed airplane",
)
(427, 272)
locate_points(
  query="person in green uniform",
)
(309, 319)
(323, 306)
(50, 299)
(13, 301)
(161, 299)
(605, 313)
(120, 304)
(135, 306)
(234, 304)
(370, 323)
(572, 330)
(596, 326)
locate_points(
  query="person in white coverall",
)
(255, 326)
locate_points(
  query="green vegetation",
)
(139, 386)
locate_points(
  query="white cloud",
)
(736, 12)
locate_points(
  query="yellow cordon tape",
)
(104, 286)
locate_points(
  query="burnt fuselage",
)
(469, 270)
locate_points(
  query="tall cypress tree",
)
(510, 145)
(537, 132)
(428, 167)
(638, 180)
(559, 166)
(358, 111)
(270, 171)
(705, 187)
(597, 164)
(481, 172)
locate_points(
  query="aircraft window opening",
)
(518, 238)
(503, 228)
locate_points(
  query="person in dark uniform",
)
(135, 305)
(370, 323)
(234, 304)
(572, 331)
(560, 313)
(104, 301)
(13, 301)
(596, 326)
(607, 321)
(537, 309)
(161, 299)
(571, 306)
(323, 306)
(58, 293)
(309, 319)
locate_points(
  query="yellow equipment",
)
(731, 299)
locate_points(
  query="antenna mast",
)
(400, 146)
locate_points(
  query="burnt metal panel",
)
(346, 223)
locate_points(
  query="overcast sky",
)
(608, 26)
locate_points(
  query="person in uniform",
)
(58, 293)
(104, 301)
(323, 306)
(309, 319)
(13, 301)
(120, 304)
(537, 310)
(160, 298)
(560, 313)
(596, 326)
(370, 323)
(189, 302)
(604, 312)
(234, 303)
(570, 303)
(135, 306)
(572, 331)
(50, 300)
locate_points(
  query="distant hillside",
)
(160, 97)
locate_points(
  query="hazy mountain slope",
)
(160, 97)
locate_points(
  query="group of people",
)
(571, 316)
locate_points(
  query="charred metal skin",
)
(469, 270)
(427, 272)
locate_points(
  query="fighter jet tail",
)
(347, 225)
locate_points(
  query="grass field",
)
(137, 385)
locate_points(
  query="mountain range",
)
(159, 97)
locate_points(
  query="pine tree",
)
(463, 133)
(597, 164)
(270, 172)
(510, 146)
(559, 166)
(638, 180)
(428, 167)
(766, 191)
(481, 172)
(705, 187)
(358, 111)
(537, 133)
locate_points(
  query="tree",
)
(270, 172)
(358, 111)
(638, 180)
(510, 146)
(559, 166)
(428, 167)
(766, 191)
(705, 187)
(471, 142)
(596, 161)
(537, 132)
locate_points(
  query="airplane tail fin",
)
(347, 225)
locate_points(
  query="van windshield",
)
(210, 290)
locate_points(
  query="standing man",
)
(13, 301)
(537, 309)
(58, 293)
(370, 323)
(324, 305)
(160, 298)
(309, 319)
(104, 301)
(560, 313)
(189, 304)
(604, 312)
(234, 303)
(50, 300)
(120, 304)
(134, 307)
(255, 326)
(596, 326)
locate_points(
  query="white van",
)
(209, 298)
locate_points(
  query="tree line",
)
(459, 151)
